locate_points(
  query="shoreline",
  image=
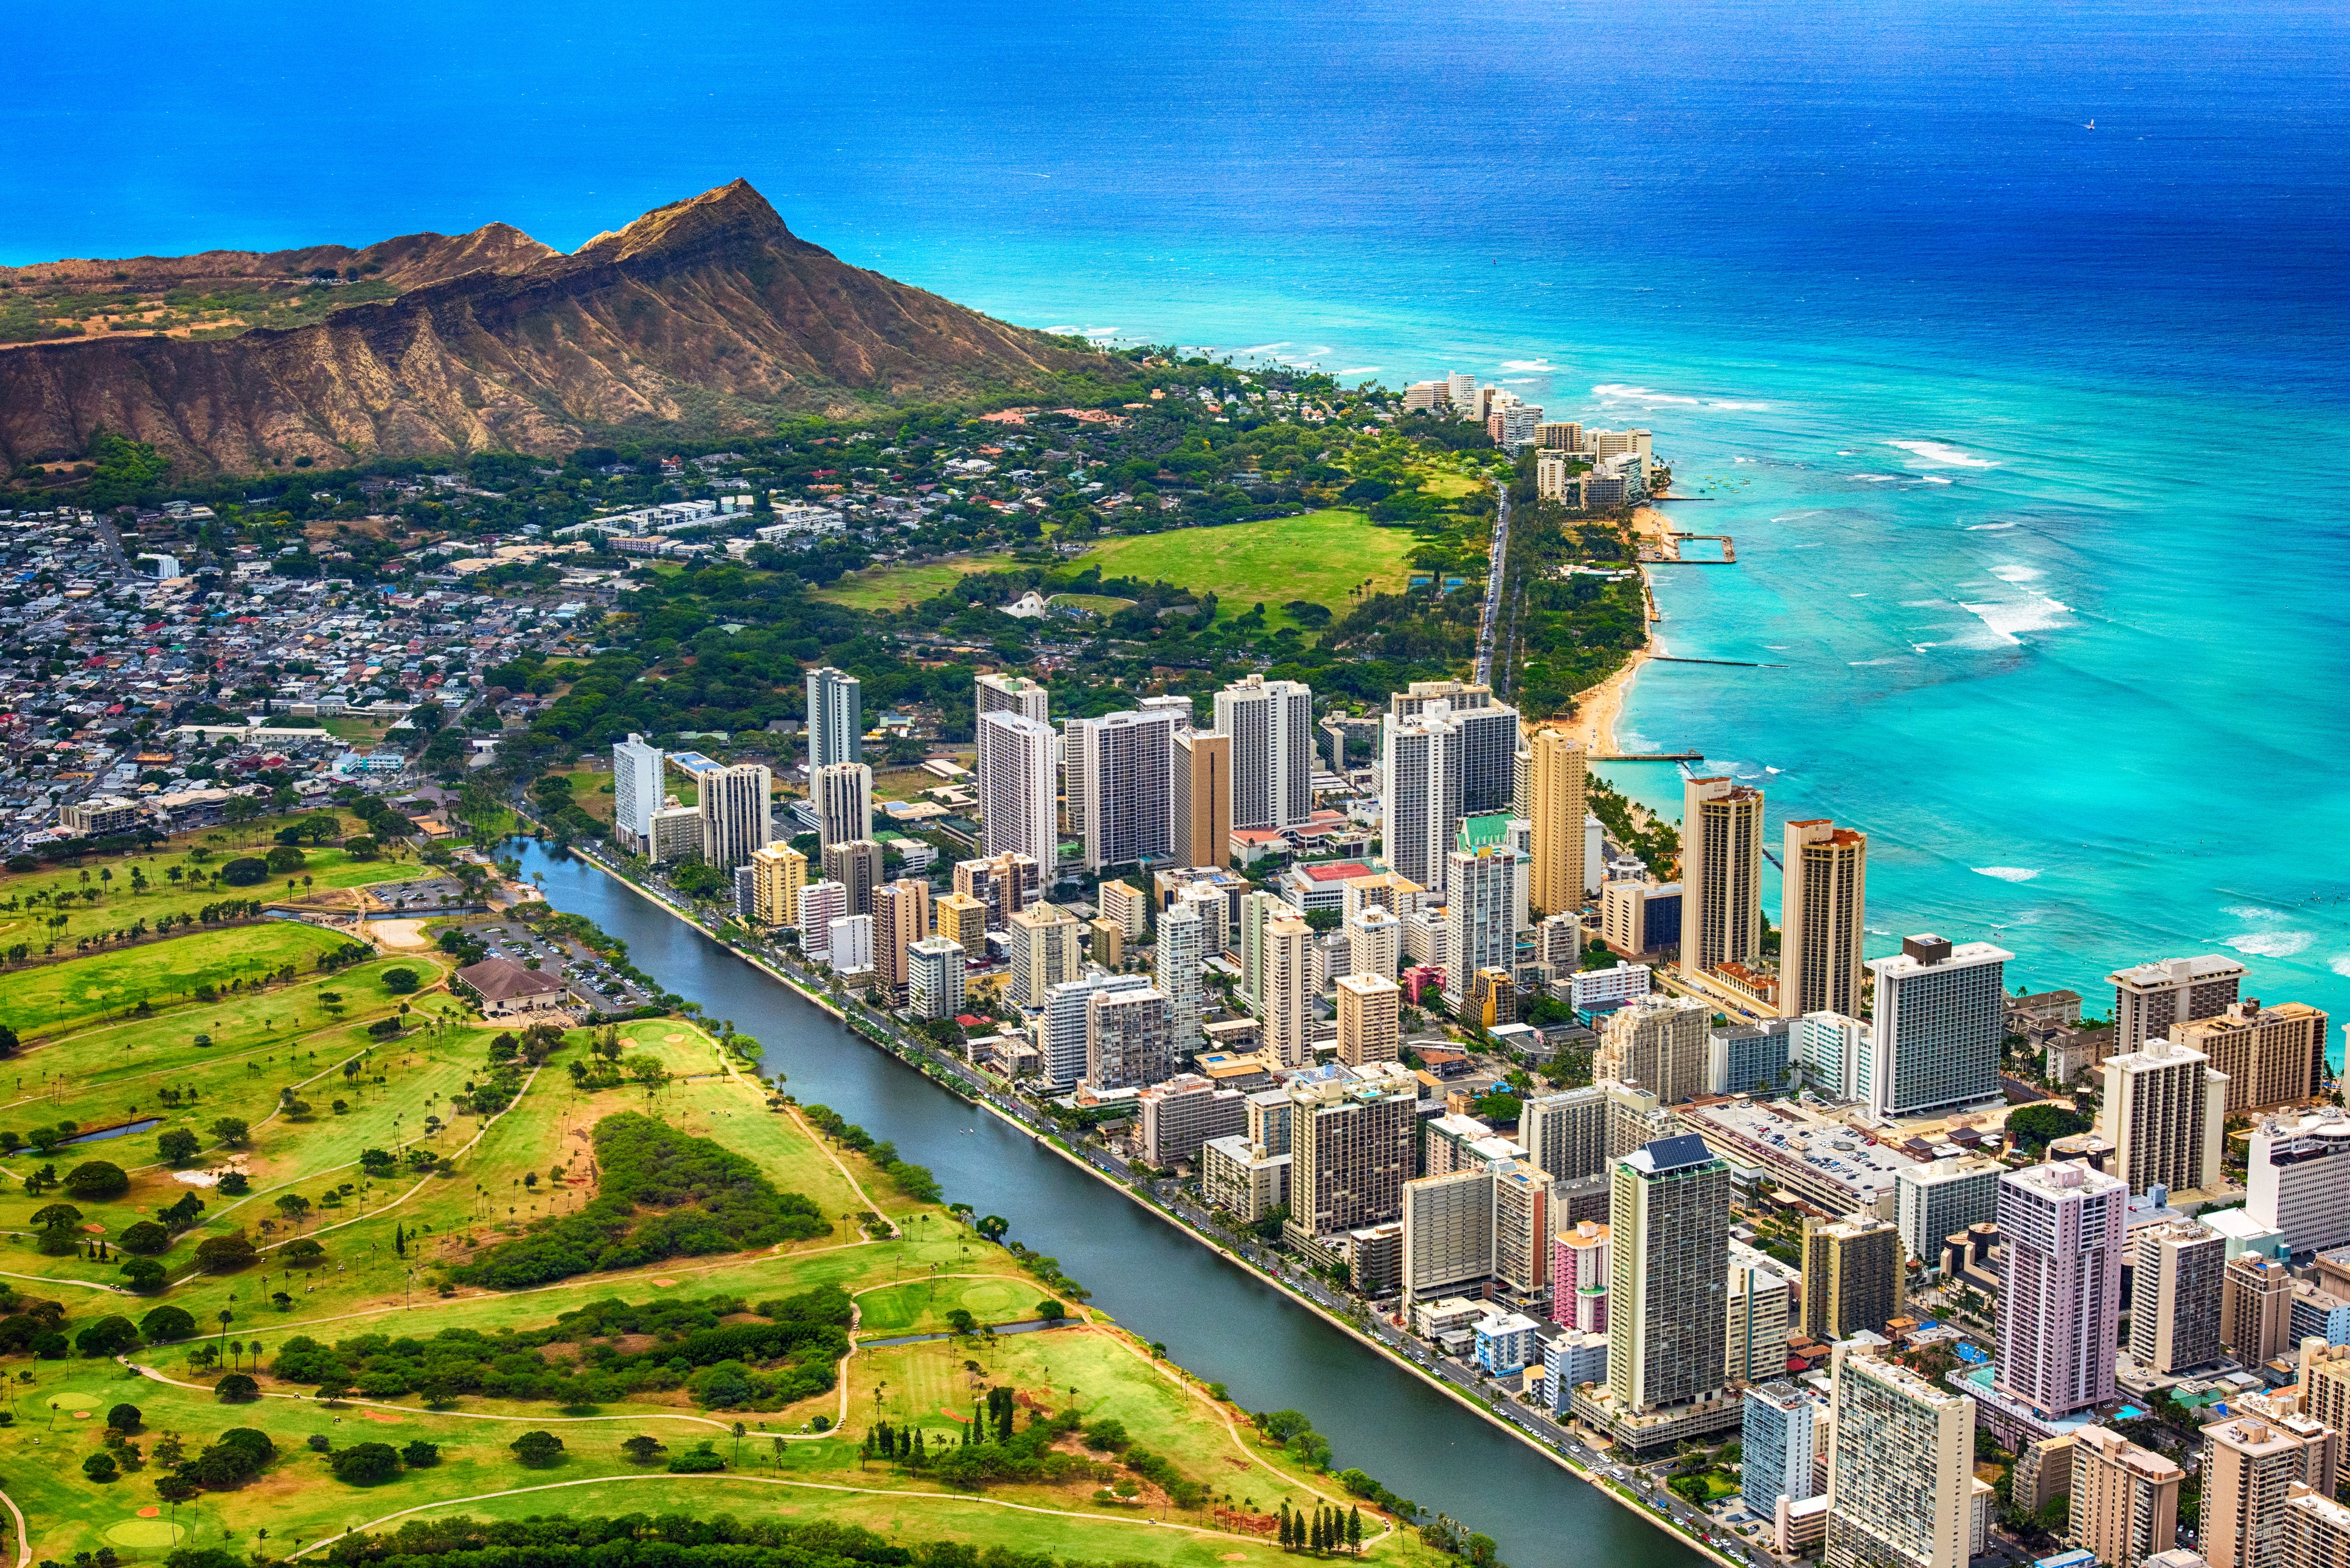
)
(1598, 708)
(1592, 1478)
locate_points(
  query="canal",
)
(1214, 1316)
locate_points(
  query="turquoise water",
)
(2073, 655)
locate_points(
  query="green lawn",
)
(1317, 557)
(50, 997)
(895, 587)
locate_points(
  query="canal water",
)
(1215, 1317)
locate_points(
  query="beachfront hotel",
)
(1722, 874)
(1823, 914)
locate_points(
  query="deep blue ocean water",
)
(2008, 339)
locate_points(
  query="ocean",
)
(2007, 340)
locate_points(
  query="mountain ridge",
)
(707, 311)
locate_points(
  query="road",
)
(1493, 583)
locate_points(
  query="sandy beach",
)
(1597, 708)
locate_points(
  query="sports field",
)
(1319, 558)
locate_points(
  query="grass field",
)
(895, 587)
(905, 1283)
(28, 901)
(54, 997)
(1317, 557)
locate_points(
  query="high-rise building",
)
(1374, 943)
(1448, 1232)
(852, 946)
(901, 917)
(1271, 724)
(962, 919)
(1777, 1447)
(1485, 764)
(1127, 1046)
(1061, 1023)
(779, 872)
(1522, 1228)
(2175, 1297)
(1184, 944)
(2250, 1464)
(1203, 798)
(736, 815)
(1822, 911)
(1900, 1468)
(1350, 1144)
(1941, 1197)
(1419, 793)
(2324, 1386)
(1290, 986)
(2272, 1055)
(1565, 1134)
(1579, 1274)
(2165, 1111)
(2255, 1308)
(1722, 874)
(856, 864)
(1178, 1117)
(636, 791)
(842, 793)
(934, 977)
(1047, 945)
(1668, 1315)
(1125, 905)
(1852, 1276)
(1754, 1316)
(836, 718)
(1940, 1022)
(2298, 1179)
(2148, 998)
(1481, 890)
(1556, 804)
(1258, 910)
(2061, 1289)
(2125, 1498)
(1015, 694)
(1121, 782)
(1659, 1043)
(1006, 884)
(2316, 1532)
(1370, 1011)
(1017, 796)
(821, 903)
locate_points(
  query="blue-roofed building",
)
(693, 762)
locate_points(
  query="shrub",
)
(178, 1146)
(537, 1450)
(166, 1325)
(97, 1180)
(700, 1460)
(123, 1418)
(383, 1028)
(399, 982)
(1051, 1311)
(107, 1336)
(236, 1388)
(421, 1454)
(145, 1238)
(99, 1467)
(244, 871)
(224, 1254)
(235, 1184)
(662, 1194)
(364, 1464)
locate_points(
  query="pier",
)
(1646, 757)
(1732, 663)
(1667, 552)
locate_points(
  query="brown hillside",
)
(708, 311)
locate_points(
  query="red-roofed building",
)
(1322, 885)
